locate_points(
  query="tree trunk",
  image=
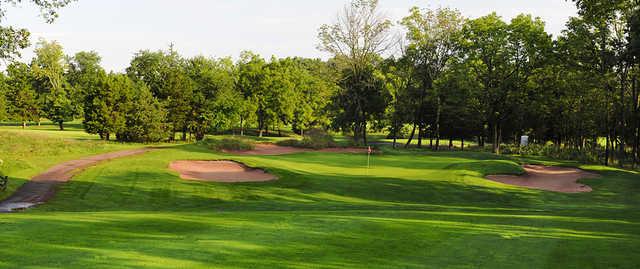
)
(495, 139)
(413, 132)
(24, 124)
(438, 112)
(395, 135)
(606, 151)
(364, 133)
(462, 144)
(61, 126)
(450, 143)
(420, 135)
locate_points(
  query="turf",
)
(410, 210)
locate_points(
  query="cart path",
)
(43, 186)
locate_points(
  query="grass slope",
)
(27, 152)
(430, 210)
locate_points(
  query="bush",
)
(314, 139)
(227, 144)
(584, 155)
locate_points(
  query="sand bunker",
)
(550, 178)
(219, 171)
(273, 149)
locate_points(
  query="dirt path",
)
(219, 171)
(273, 149)
(43, 186)
(550, 178)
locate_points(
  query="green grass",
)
(410, 210)
(25, 153)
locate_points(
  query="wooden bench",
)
(4, 181)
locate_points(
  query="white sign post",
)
(524, 140)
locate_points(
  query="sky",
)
(117, 29)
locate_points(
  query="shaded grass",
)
(410, 210)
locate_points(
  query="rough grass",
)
(410, 210)
(25, 153)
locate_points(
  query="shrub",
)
(227, 144)
(314, 139)
(584, 155)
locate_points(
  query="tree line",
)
(447, 77)
(164, 96)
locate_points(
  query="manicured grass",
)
(410, 210)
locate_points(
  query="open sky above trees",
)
(117, 29)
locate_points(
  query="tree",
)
(22, 105)
(107, 101)
(145, 116)
(12, 39)
(3, 98)
(433, 40)
(356, 40)
(363, 97)
(251, 80)
(215, 101)
(165, 75)
(84, 74)
(48, 68)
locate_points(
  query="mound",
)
(43, 186)
(273, 149)
(550, 178)
(219, 171)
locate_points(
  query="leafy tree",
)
(251, 80)
(356, 40)
(145, 116)
(215, 101)
(48, 68)
(433, 40)
(3, 98)
(21, 97)
(107, 101)
(165, 75)
(83, 74)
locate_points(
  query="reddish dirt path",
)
(43, 186)
(273, 149)
(219, 171)
(550, 178)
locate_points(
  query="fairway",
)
(326, 210)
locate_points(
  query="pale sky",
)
(116, 29)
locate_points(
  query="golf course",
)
(325, 210)
(337, 134)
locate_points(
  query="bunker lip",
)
(549, 178)
(43, 186)
(219, 171)
(273, 149)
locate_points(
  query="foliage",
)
(227, 144)
(313, 139)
